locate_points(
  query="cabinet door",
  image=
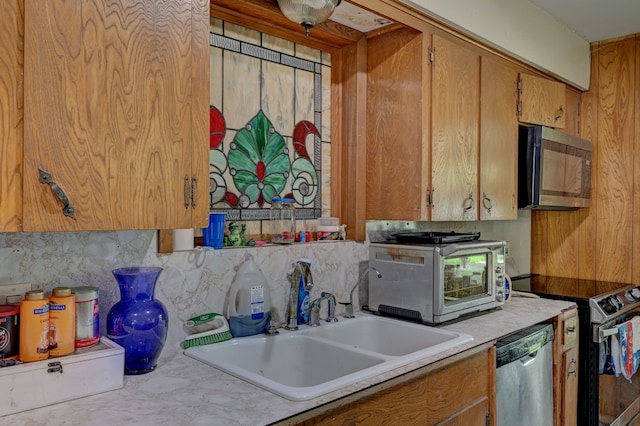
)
(114, 113)
(570, 387)
(397, 176)
(476, 414)
(455, 394)
(455, 103)
(11, 114)
(542, 101)
(498, 141)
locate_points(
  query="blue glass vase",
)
(138, 322)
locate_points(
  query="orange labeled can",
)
(62, 322)
(34, 326)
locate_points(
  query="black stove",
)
(604, 299)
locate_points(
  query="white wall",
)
(519, 28)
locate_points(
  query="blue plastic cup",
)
(213, 235)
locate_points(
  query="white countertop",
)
(183, 391)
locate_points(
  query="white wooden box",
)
(87, 371)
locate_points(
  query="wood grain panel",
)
(498, 141)
(200, 80)
(573, 103)
(111, 116)
(539, 242)
(445, 395)
(455, 112)
(589, 131)
(635, 271)
(353, 121)
(11, 114)
(475, 414)
(542, 101)
(570, 388)
(614, 171)
(396, 155)
(563, 243)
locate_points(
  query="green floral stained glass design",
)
(259, 161)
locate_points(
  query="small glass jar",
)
(283, 220)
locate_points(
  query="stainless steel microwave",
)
(554, 169)
(435, 283)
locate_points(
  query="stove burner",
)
(433, 237)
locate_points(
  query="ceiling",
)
(595, 20)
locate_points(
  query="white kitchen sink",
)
(387, 336)
(303, 364)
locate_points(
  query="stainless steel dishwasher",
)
(524, 377)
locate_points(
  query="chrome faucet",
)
(300, 270)
(349, 305)
(314, 309)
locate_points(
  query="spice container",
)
(34, 326)
(87, 316)
(9, 331)
(62, 321)
(283, 220)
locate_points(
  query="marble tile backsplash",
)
(192, 282)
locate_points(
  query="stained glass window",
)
(269, 119)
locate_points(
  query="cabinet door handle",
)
(187, 192)
(194, 190)
(486, 203)
(559, 114)
(468, 203)
(46, 178)
(572, 368)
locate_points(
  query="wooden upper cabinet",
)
(11, 114)
(574, 112)
(455, 114)
(397, 147)
(116, 112)
(498, 141)
(542, 101)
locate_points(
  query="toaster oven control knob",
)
(500, 281)
(500, 296)
(498, 270)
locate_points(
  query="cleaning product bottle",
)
(305, 284)
(249, 309)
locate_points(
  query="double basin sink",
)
(304, 364)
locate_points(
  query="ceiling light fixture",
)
(308, 13)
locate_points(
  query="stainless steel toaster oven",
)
(434, 283)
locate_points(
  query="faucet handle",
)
(348, 307)
(314, 314)
(272, 330)
(331, 307)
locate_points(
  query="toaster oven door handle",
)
(448, 249)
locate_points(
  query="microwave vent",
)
(400, 313)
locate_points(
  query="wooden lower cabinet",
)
(566, 369)
(458, 393)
